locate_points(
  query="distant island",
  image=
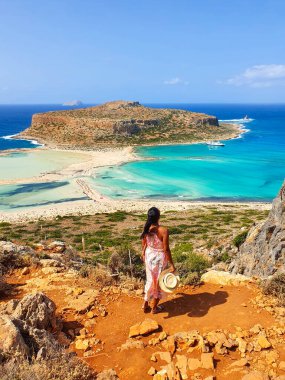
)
(124, 123)
(73, 103)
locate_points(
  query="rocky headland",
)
(121, 123)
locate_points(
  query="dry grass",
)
(60, 367)
(275, 287)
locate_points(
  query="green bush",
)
(240, 239)
(118, 216)
(190, 265)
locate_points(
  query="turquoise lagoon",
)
(250, 168)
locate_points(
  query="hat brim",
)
(162, 285)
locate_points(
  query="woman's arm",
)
(166, 249)
(143, 249)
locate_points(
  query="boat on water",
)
(215, 143)
(246, 117)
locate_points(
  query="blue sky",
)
(149, 50)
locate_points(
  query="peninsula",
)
(124, 123)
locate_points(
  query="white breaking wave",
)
(10, 137)
(239, 121)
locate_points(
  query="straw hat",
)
(168, 281)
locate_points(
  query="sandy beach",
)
(79, 173)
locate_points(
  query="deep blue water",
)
(249, 168)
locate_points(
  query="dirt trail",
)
(205, 308)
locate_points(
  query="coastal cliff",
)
(124, 123)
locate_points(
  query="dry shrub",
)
(61, 367)
(275, 287)
(99, 274)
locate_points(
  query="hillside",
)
(60, 298)
(122, 123)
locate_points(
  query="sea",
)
(248, 168)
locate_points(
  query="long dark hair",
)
(153, 216)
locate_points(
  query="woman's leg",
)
(155, 304)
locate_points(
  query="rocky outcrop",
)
(123, 123)
(25, 327)
(263, 252)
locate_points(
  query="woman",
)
(156, 254)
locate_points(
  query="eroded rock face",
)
(263, 252)
(25, 325)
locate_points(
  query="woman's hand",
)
(143, 257)
(172, 268)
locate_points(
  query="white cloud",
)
(260, 76)
(175, 81)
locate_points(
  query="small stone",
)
(181, 364)
(25, 271)
(145, 327)
(256, 375)
(88, 354)
(153, 358)
(244, 305)
(282, 366)
(164, 355)
(194, 364)
(82, 344)
(263, 342)
(239, 363)
(207, 361)
(151, 371)
(90, 315)
(103, 313)
(78, 291)
(162, 336)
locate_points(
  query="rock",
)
(255, 375)
(50, 263)
(90, 315)
(240, 363)
(170, 344)
(181, 364)
(27, 321)
(242, 345)
(263, 252)
(37, 310)
(143, 328)
(207, 361)
(162, 336)
(163, 355)
(256, 329)
(82, 344)
(161, 375)
(108, 374)
(224, 278)
(82, 302)
(51, 270)
(263, 342)
(57, 246)
(282, 366)
(172, 372)
(209, 378)
(194, 364)
(25, 271)
(11, 340)
(130, 344)
(151, 371)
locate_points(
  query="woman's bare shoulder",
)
(163, 230)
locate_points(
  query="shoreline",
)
(79, 174)
(107, 205)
